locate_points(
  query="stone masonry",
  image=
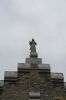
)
(33, 81)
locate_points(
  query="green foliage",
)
(58, 98)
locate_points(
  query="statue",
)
(32, 45)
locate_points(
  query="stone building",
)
(32, 81)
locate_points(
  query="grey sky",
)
(21, 20)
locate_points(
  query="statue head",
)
(32, 39)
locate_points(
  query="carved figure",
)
(32, 45)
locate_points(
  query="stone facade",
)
(32, 81)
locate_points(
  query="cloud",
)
(20, 20)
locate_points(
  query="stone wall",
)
(32, 77)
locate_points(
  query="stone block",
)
(23, 67)
(34, 99)
(34, 60)
(10, 76)
(43, 68)
(34, 95)
(57, 77)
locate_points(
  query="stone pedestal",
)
(34, 60)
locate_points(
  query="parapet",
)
(57, 77)
(10, 76)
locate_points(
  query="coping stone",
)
(11, 76)
(23, 67)
(65, 85)
(44, 67)
(1, 83)
(57, 76)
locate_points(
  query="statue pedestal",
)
(33, 54)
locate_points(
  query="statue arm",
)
(35, 43)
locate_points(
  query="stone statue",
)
(32, 45)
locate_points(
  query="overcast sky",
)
(22, 20)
